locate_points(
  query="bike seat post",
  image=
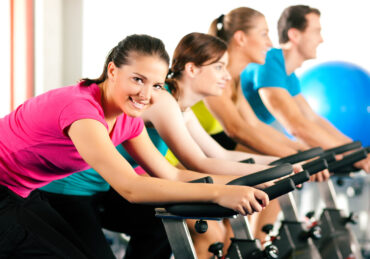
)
(241, 227)
(178, 235)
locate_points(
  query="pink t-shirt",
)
(33, 147)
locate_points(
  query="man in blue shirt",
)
(273, 89)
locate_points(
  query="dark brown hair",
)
(239, 19)
(294, 17)
(198, 48)
(120, 54)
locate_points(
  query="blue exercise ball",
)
(340, 92)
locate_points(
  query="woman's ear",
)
(240, 38)
(191, 69)
(111, 70)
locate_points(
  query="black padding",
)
(248, 161)
(299, 157)
(206, 179)
(344, 148)
(280, 188)
(328, 156)
(203, 210)
(263, 176)
(347, 160)
(211, 210)
(300, 177)
(315, 166)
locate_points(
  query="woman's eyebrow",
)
(138, 74)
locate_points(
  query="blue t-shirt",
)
(271, 74)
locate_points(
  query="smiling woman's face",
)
(212, 79)
(258, 41)
(134, 84)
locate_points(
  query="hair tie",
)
(220, 22)
(170, 74)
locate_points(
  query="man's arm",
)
(297, 118)
(326, 125)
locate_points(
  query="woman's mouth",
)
(139, 104)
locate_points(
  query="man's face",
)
(310, 38)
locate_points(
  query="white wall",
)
(5, 58)
(345, 25)
(73, 37)
(58, 46)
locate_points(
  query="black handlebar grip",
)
(206, 179)
(263, 176)
(300, 177)
(348, 160)
(328, 156)
(200, 210)
(344, 148)
(212, 210)
(315, 166)
(300, 156)
(248, 161)
(280, 188)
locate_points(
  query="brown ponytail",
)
(239, 19)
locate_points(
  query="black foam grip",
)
(203, 210)
(315, 166)
(345, 171)
(300, 177)
(344, 148)
(299, 157)
(328, 156)
(206, 179)
(263, 176)
(212, 210)
(280, 188)
(347, 160)
(248, 161)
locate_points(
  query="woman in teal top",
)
(198, 70)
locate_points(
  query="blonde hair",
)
(239, 19)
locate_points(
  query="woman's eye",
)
(158, 86)
(219, 67)
(138, 80)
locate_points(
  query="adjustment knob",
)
(201, 226)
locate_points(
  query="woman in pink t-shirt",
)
(72, 128)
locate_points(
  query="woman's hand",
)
(243, 199)
(265, 184)
(364, 164)
(321, 176)
(297, 168)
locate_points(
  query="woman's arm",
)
(247, 129)
(92, 141)
(166, 117)
(213, 149)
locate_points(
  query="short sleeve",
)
(137, 127)
(295, 87)
(77, 110)
(272, 73)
